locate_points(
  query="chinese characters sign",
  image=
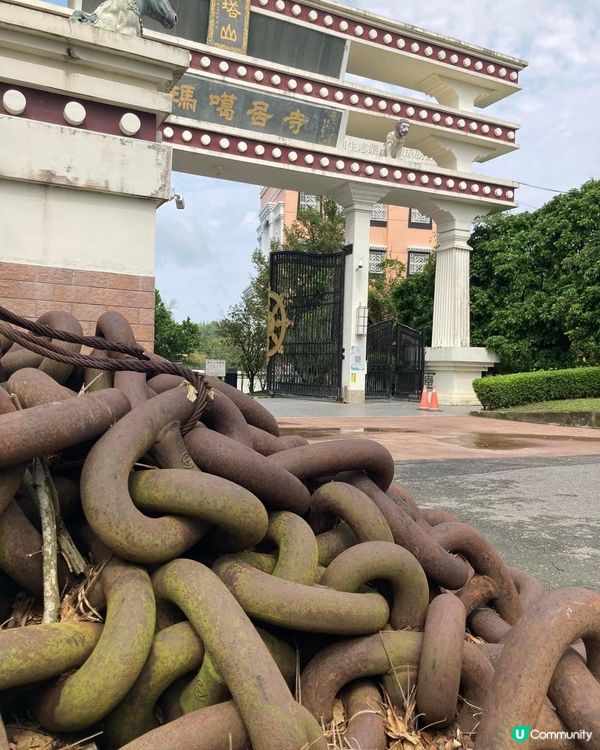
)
(227, 104)
(228, 24)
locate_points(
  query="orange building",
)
(397, 232)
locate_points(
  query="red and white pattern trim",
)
(370, 33)
(217, 142)
(343, 95)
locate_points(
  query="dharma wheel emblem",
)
(277, 324)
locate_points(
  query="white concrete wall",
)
(63, 228)
(77, 158)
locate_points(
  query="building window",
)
(379, 215)
(417, 257)
(417, 220)
(377, 255)
(305, 200)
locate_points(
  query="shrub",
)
(502, 391)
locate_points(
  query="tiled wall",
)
(32, 290)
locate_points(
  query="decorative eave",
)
(372, 112)
(424, 54)
(327, 166)
(409, 30)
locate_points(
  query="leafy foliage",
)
(245, 326)
(535, 285)
(412, 300)
(381, 290)
(212, 345)
(316, 231)
(503, 391)
(173, 340)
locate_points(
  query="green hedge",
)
(502, 391)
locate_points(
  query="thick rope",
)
(60, 354)
(94, 342)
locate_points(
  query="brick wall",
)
(32, 290)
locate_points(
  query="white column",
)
(451, 357)
(357, 202)
(451, 305)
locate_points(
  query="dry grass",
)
(401, 728)
(23, 737)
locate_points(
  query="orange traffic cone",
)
(434, 404)
(424, 402)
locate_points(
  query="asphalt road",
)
(541, 514)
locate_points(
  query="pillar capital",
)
(359, 197)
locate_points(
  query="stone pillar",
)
(451, 305)
(82, 171)
(357, 202)
(451, 357)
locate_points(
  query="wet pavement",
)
(444, 437)
(532, 489)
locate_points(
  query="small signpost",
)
(215, 368)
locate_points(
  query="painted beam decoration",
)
(228, 25)
(216, 102)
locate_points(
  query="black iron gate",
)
(306, 302)
(395, 360)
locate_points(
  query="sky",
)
(203, 252)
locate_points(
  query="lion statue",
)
(395, 140)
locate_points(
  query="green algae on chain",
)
(297, 556)
(370, 561)
(240, 516)
(333, 542)
(441, 660)
(213, 728)
(109, 673)
(175, 651)
(208, 688)
(105, 497)
(355, 508)
(450, 572)
(273, 719)
(326, 674)
(313, 609)
(39, 652)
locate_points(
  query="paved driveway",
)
(541, 514)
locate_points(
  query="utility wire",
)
(549, 190)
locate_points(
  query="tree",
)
(173, 340)
(212, 345)
(245, 326)
(316, 230)
(412, 300)
(535, 284)
(381, 290)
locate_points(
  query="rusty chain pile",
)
(245, 585)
